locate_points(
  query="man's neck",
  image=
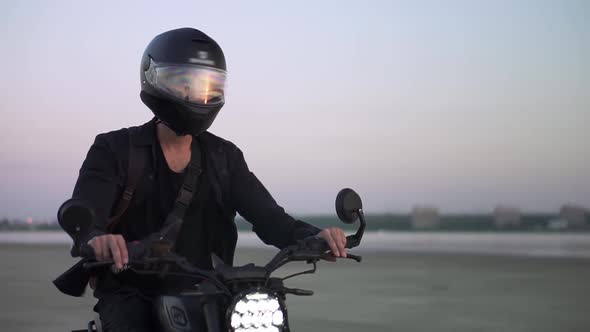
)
(170, 140)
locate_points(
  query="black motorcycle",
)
(244, 298)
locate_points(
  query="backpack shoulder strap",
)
(136, 165)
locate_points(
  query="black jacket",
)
(235, 188)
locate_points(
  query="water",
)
(509, 244)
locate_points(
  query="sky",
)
(459, 104)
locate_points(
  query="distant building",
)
(575, 215)
(425, 217)
(557, 224)
(506, 216)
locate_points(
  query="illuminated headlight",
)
(257, 311)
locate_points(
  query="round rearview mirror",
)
(75, 216)
(348, 203)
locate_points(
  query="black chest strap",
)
(187, 191)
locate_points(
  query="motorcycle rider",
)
(182, 74)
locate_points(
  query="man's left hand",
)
(336, 240)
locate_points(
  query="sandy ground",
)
(386, 292)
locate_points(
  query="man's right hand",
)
(110, 246)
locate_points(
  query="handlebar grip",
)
(86, 251)
(96, 265)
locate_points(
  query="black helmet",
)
(182, 80)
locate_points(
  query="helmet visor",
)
(194, 84)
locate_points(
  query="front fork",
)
(211, 310)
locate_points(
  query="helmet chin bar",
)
(182, 119)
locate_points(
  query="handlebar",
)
(142, 254)
(146, 265)
(311, 249)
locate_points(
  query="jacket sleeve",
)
(253, 202)
(99, 183)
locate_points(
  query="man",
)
(182, 75)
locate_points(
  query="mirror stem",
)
(355, 240)
(361, 230)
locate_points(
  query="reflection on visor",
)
(194, 84)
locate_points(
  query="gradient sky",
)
(461, 104)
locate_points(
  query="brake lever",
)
(356, 258)
(323, 245)
(327, 255)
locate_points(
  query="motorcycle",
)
(227, 298)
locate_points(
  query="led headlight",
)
(256, 311)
